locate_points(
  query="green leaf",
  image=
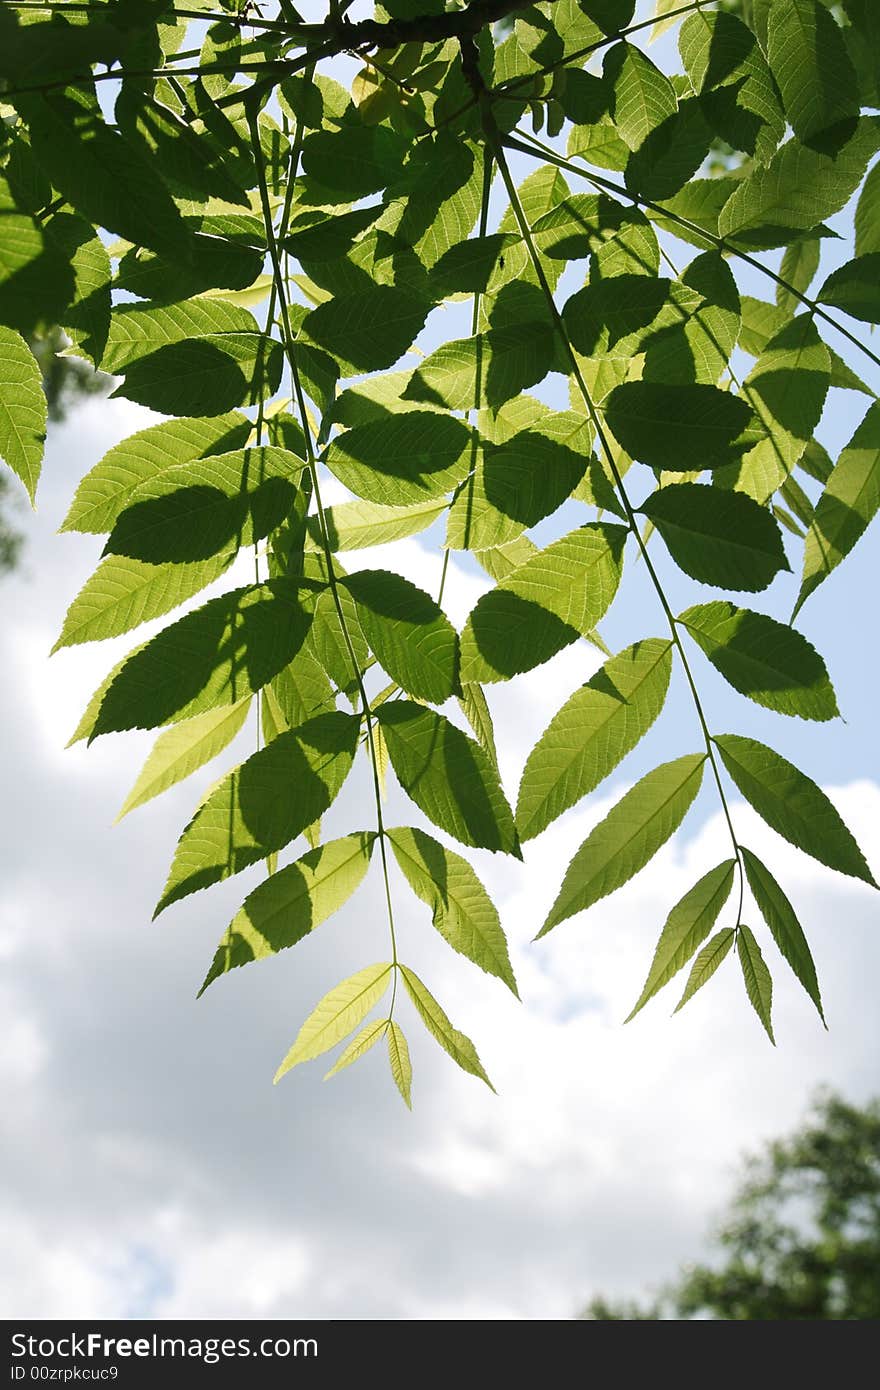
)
(183, 749)
(36, 280)
(398, 1058)
(290, 903)
(855, 288)
(759, 986)
(792, 805)
(448, 776)
(504, 361)
(124, 593)
(403, 459)
(354, 160)
(706, 963)
(729, 72)
(786, 389)
(621, 239)
(366, 1038)
(817, 81)
(408, 632)
(200, 357)
(796, 191)
(86, 318)
(367, 330)
(718, 537)
(22, 409)
(516, 484)
(251, 814)
(358, 525)
(99, 173)
(699, 346)
(677, 427)
(847, 506)
(628, 837)
(867, 215)
(456, 1044)
(468, 266)
(475, 708)
(327, 640)
(197, 509)
(555, 597)
(613, 316)
(462, 910)
(785, 928)
(671, 154)
(799, 266)
(770, 663)
(592, 733)
(337, 1014)
(686, 928)
(105, 490)
(226, 649)
(643, 95)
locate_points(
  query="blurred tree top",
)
(801, 1238)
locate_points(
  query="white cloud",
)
(149, 1167)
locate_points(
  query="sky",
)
(149, 1168)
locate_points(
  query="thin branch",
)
(521, 142)
(333, 584)
(493, 135)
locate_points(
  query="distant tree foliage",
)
(801, 1239)
(268, 258)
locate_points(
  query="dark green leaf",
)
(251, 814)
(516, 484)
(718, 537)
(503, 360)
(770, 663)
(855, 288)
(677, 427)
(448, 776)
(403, 459)
(367, 330)
(100, 173)
(547, 603)
(817, 81)
(792, 804)
(104, 492)
(408, 632)
(226, 649)
(208, 506)
(797, 190)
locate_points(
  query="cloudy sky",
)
(150, 1168)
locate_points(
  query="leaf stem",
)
(290, 351)
(521, 142)
(494, 137)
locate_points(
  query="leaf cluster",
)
(267, 259)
